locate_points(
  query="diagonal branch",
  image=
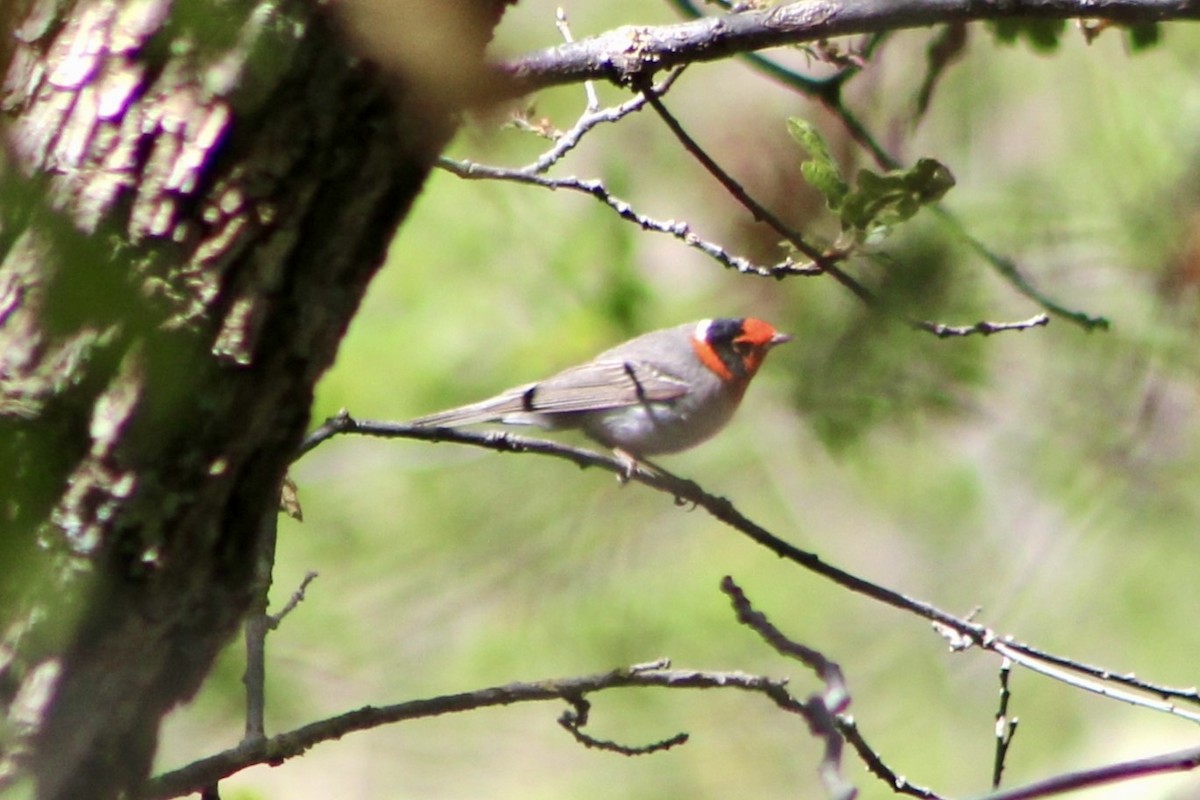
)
(1178, 761)
(760, 212)
(825, 707)
(1069, 671)
(683, 490)
(681, 231)
(963, 632)
(828, 92)
(823, 261)
(592, 116)
(899, 784)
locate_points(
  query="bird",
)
(661, 392)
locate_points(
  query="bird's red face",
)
(734, 349)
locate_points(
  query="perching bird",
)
(661, 392)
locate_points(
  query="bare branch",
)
(1027, 659)
(258, 624)
(530, 175)
(829, 93)
(1006, 728)
(684, 491)
(826, 261)
(967, 632)
(876, 766)
(1008, 269)
(568, 140)
(618, 748)
(592, 116)
(836, 697)
(273, 620)
(276, 749)
(822, 708)
(630, 53)
(1178, 761)
(1188, 694)
(680, 230)
(564, 28)
(985, 328)
(822, 262)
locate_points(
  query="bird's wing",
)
(594, 386)
(603, 384)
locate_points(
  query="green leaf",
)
(821, 171)
(881, 201)
(878, 201)
(1043, 35)
(1144, 36)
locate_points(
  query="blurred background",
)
(1046, 477)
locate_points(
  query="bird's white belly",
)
(652, 428)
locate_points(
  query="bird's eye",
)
(743, 348)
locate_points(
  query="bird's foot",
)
(631, 464)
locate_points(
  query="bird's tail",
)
(506, 407)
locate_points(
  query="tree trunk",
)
(195, 196)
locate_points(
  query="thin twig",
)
(569, 139)
(876, 765)
(828, 93)
(593, 743)
(827, 261)
(1178, 761)
(1188, 694)
(1069, 673)
(532, 174)
(683, 490)
(836, 696)
(682, 231)
(1006, 728)
(575, 717)
(760, 212)
(1008, 269)
(823, 707)
(985, 328)
(830, 96)
(564, 28)
(592, 116)
(274, 620)
(679, 230)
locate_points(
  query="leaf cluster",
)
(878, 201)
(1044, 35)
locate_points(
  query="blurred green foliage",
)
(1042, 35)
(1047, 477)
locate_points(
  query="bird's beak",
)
(780, 338)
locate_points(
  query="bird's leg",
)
(631, 464)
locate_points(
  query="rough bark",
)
(194, 198)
